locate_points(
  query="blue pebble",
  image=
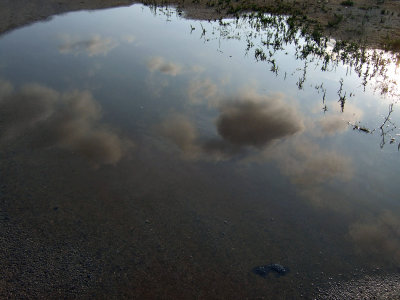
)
(263, 271)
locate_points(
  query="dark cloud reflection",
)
(181, 131)
(254, 120)
(250, 120)
(70, 121)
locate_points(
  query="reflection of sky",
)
(155, 78)
(70, 121)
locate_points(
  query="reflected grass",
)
(267, 36)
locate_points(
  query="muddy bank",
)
(375, 23)
(17, 13)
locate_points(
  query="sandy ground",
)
(375, 22)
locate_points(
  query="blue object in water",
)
(264, 270)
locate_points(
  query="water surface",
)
(145, 155)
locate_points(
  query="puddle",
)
(147, 155)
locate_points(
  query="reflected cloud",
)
(128, 38)
(256, 120)
(200, 90)
(70, 121)
(180, 130)
(157, 86)
(309, 167)
(197, 69)
(96, 45)
(336, 122)
(379, 236)
(259, 129)
(332, 124)
(19, 111)
(247, 121)
(159, 64)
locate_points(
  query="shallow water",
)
(145, 155)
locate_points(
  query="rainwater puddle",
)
(143, 154)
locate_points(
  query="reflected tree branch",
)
(387, 123)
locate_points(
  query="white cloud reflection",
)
(93, 46)
(128, 38)
(161, 65)
(201, 89)
(334, 122)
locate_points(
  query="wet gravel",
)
(368, 287)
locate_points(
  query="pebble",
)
(263, 271)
